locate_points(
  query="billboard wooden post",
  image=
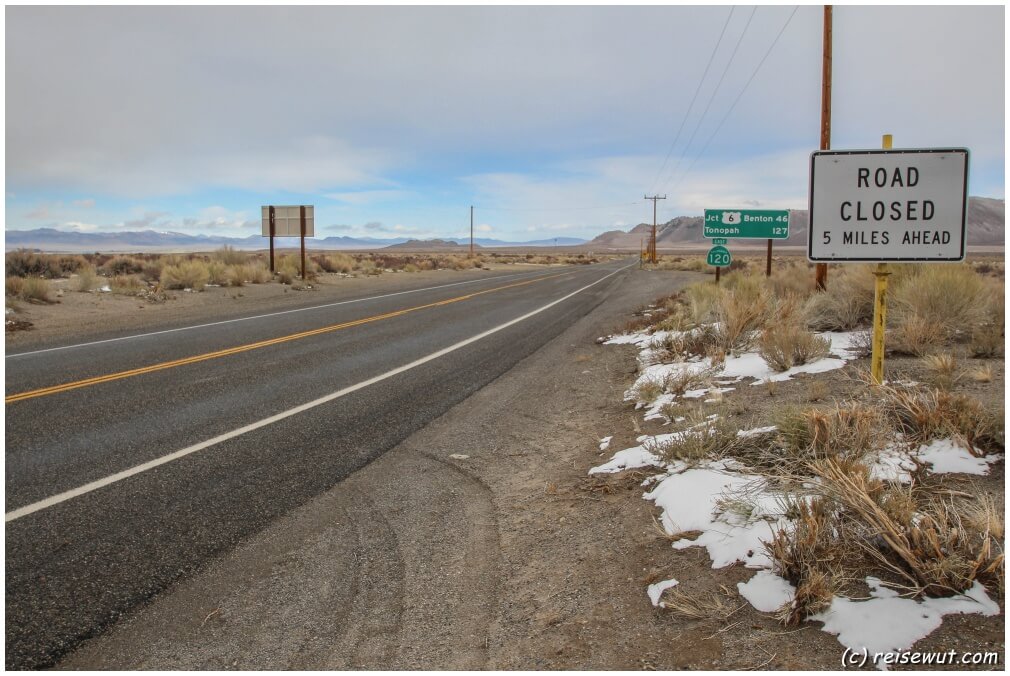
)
(302, 218)
(768, 263)
(273, 232)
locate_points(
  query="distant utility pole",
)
(652, 241)
(471, 231)
(821, 274)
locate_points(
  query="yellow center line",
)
(45, 391)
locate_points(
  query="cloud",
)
(38, 213)
(365, 197)
(84, 203)
(374, 226)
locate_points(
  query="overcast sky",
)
(392, 121)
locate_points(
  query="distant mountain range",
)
(59, 241)
(986, 227)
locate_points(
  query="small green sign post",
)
(718, 256)
(747, 224)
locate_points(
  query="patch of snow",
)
(605, 443)
(629, 458)
(105, 289)
(756, 431)
(892, 464)
(656, 590)
(691, 499)
(947, 457)
(888, 623)
(459, 456)
(766, 591)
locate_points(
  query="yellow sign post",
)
(879, 308)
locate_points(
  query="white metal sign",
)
(888, 205)
(287, 221)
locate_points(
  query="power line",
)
(739, 96)
(602, 206)
(715, 91)
(694, 98)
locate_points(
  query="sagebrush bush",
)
(127, 285)
(846, 304)
(952, 297)
(31, 289)
(24, 263)
(785, 345)
(192, 274)
(231, 256)
(87, 279)
(123, 265)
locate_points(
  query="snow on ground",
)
(734, 370)
(888, 623)
(605, 443)
(766, 591)
(728, 507)
(735, 513)
(655, 591)
(947, 456)
(943, 456)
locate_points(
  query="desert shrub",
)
(338, 262)
(646, 391)
(808, 556)
(14, 285)
(123, 265)
(791, 281)
(31, 289)
(846, 304)
(410, 267)
(87, 279)
(702, 300)
(739, 312)
(922, 415)
(127, 285)
(230, 256)
(987, 338)
(368, 267)
(951, 297)
(916, 336)
(943, 370)
(256, 273)
(187, 274)
(785, 345)
(151, 272)
(24, 263)
(702, 441)
(218, 273)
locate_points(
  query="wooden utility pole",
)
(471, 231)
(652, 241)
(273, 232)
(302, 208)
(821, 275)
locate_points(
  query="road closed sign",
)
(888, 205)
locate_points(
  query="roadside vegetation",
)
(868, 482)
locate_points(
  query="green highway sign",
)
(719, 257)
(720, 240)
(746, 223)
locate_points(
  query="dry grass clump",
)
(30, 289)
(230, 256)
(87, 279)
(916, 336)
(928, 545)
(706, 440)
(952, 297)
(338, 262)
(846, 304)
(987, 339)
(846, 432)
(127, 285)
(698, 606)
(922, 415)
(122, 265)
(186, 274)
(13, 286)
(943, 370)
(783, 346)
(981, 374)
(809, 557)
(645, 391)
(740, 311)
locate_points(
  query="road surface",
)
(131, 463)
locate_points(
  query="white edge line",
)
(138, 469)
(269, 314)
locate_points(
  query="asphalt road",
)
(261, 416)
